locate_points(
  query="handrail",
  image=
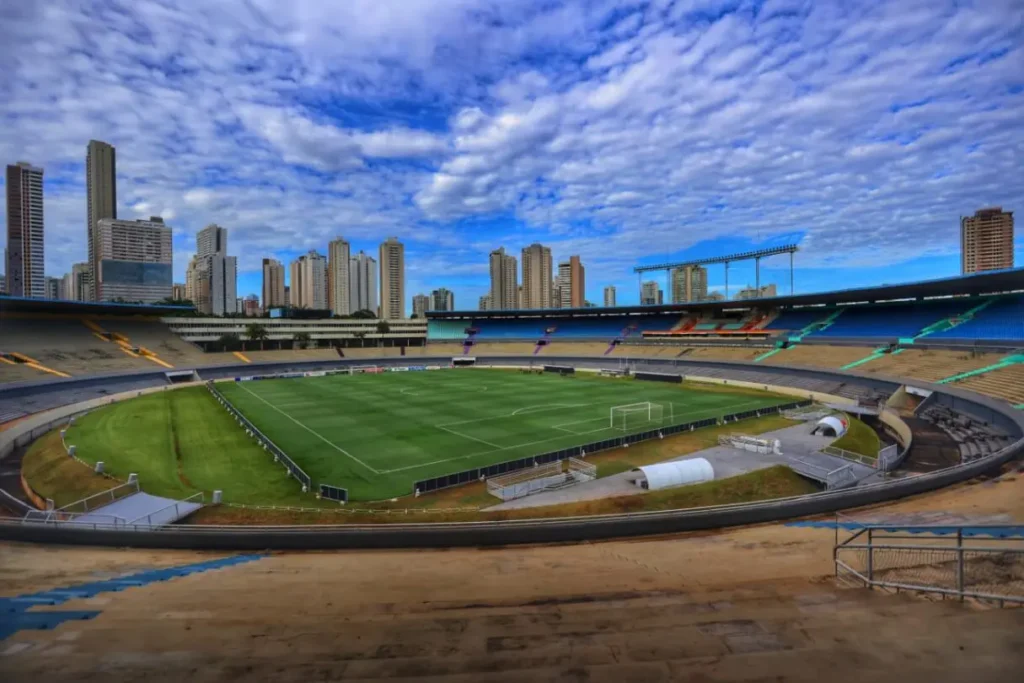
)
(149, 517)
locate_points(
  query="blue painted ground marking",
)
(15, 615)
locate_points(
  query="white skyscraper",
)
(25, 231)
(221, 269)
(420, 305)
(442, 299)
(338, 258)
(309, 282)
(609, 295)
(362, 283)
(134, 260)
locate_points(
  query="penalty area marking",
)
(311, 431)
(534, 443)
(520, 411)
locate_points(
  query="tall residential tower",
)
(986, 241)
(338, 258)
(392, 279)
(25, 231)
(101, 200)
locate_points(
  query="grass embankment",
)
(52, 474)
(178, 442)
(859, 438)
(766, 484)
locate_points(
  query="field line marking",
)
(311, 431)
(518, 411)
(467, 436)
(534, 443)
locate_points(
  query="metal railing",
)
(98, 500)
(983, 563)
(851, 456)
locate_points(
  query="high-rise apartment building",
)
(504, 281)
(251, 306)
(287, 296)
(221, 269)
(609, 296)
(309, 281)
(650, 294)
(273, 284)
(986, 240)
(536, 277)
(442, 299)
(420, 305)
(689, 284)
(53, 287)
(133, 260)
(484, 304)
(75, 283)
(197, 284)
(362, 283)
(100, 198)
(178, 291)
(571, 282)
(24, 267)
(392, 279)
(338, 259)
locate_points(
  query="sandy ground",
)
(751, 604)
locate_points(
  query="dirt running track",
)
(754, 604)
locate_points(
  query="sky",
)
(626, 131)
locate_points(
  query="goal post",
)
(636, 415)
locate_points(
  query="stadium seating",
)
(66, 345)
(724, 353)
(797, 320)
(927, 364)
(891, 321)
(1002, 320)
(819, 356)
(17, 372)
(446, 329)
(1006, 383)
(156, 337)
(610, 327)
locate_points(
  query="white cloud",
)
(619, 130)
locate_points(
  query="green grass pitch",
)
(376, 435)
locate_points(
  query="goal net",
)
(636, 416)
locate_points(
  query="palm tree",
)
(256, 332)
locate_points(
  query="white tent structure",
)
(678, 473)
(830, 426)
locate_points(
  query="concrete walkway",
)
(798, 445)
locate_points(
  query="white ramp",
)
(142, 510)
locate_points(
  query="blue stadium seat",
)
(891, 321)
(797, 320)
(608, 327)
(1002, 320)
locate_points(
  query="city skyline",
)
(626, 133)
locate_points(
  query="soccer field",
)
(376, 435)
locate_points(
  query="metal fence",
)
(984, 563)
(851, 456)
(475, 474)
(268, 445)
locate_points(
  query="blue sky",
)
(627, 131)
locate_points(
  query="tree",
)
(256, 332)
(383, 327)
(301, 339)
(363, 314)
(360, 336)
(228, 341)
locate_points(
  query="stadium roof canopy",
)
(966, 285)
(13, 304)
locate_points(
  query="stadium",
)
(217, 445)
